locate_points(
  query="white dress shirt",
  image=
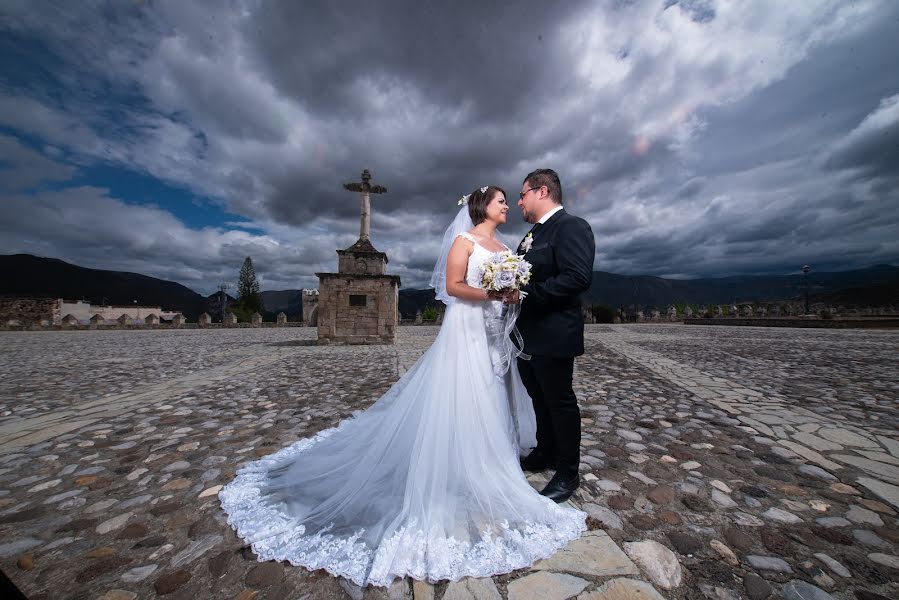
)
(546, 217)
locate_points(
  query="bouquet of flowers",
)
(505, 272)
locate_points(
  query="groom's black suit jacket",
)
(561, 256)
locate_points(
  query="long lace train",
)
(409, 551)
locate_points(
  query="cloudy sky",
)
(698, 137)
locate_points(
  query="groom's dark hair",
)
(478, 201)
(550, 179)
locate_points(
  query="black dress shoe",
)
(535, 461)
(561, 487)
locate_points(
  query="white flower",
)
(504, 272)
(505, 279)
(526, 243)
(464, 200)
(483, 189)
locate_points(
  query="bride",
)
(426, 482)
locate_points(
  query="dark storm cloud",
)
(872, 147)
(795, 172)
(699, 138)
(498, 59)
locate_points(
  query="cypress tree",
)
(248, 288)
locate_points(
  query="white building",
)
(83, 311)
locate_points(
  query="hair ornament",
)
(463, 200)
(483, 189)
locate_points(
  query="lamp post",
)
(805, 270)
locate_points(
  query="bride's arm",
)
(456, 264)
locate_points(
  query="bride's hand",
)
(512, 298)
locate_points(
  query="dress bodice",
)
(478, 256)
(494, 312)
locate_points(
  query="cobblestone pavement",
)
(718, 462)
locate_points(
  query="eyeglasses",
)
(521, 195)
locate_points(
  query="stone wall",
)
(138, 314)
(27, 312)
(143, 326)
(754, 310)
(873, 323)
(344, 320)
(37, 314)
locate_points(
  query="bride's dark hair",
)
(478, 201)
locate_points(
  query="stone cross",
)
(365, 188)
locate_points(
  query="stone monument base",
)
(357, 308)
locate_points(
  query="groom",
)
(560, 248)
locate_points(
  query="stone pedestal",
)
(310, 307)
(256, 320)
(204, 320)
(151, 319)
(358, 304)
(230, 319)
(281, 319)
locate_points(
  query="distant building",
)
(22, 311)
(137, 314)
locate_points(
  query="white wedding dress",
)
(425, 483)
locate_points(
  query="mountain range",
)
(613, 290)
(24, 275)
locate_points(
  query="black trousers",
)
(548, 381)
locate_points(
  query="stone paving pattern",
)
(717, 462)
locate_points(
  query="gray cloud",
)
(873, 146)
(22, 168)
(699, 138)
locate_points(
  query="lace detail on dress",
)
(409, 551)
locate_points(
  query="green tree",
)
(248, 288)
